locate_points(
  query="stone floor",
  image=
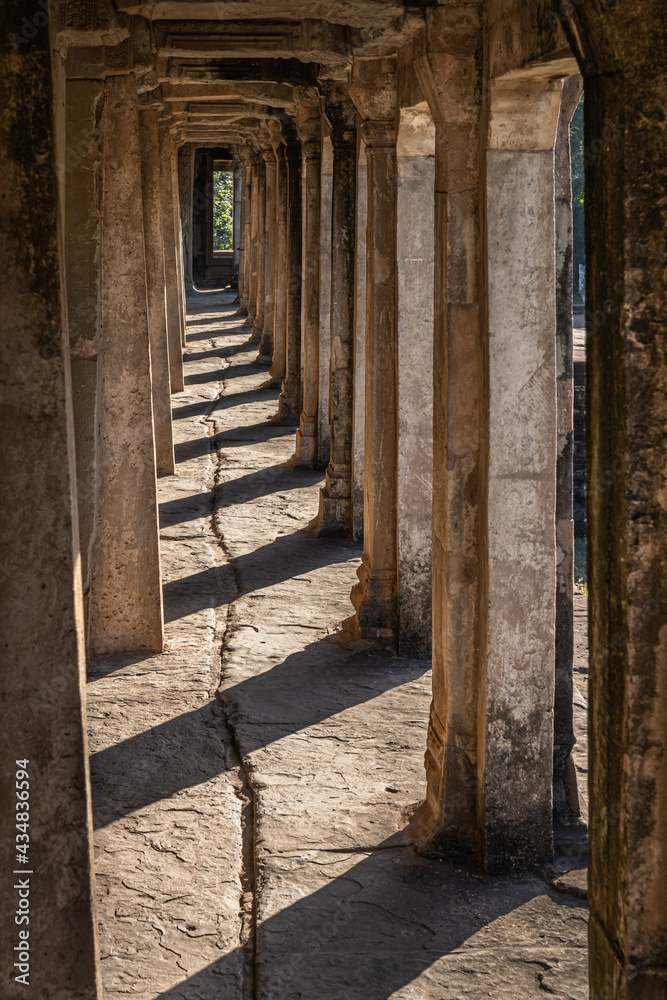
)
(252, 784)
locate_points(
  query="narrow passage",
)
(252, 785)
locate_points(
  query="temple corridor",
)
(333, 499)
(267, 863)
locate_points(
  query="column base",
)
(571, 840)
(263, 359)
(272, 383)
(334, 519)
(285, 417)
(306, 443)
(374, 600)
(256, 333)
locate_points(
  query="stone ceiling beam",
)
(356, 13)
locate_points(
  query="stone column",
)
(265, 355)
(416, 183)
(489, 798)
(78, 173)
(454, 808)
(359, 380)
(253, 268)
(278, 367)
(375, 596)
(237, 218)
(520, 661)
(626, 520)
(288, 404)
(43, 743)
(126, 592)
(323, 399)
(309, 131)
(178, 239)
(258, 322)
(155, 286)
(170, 272)
(569, 830)
(185, 167)
(335, 516)
(244, 295)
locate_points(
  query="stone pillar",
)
(278, 366)
(520, 661)
(375, 596)
(626, 459)
(185, 168)
(323, 400)
(126, 592)
(155, 287)
(265, 355)
(359, 380)
(79, 176)
(569, 830)
(454, 808)
(489, 789)
(309, 131)
(253, 262)
(237, 219)
(170, 271)
(258, 323)
(178, 239)
(288, 404)
(416, 182)
(335, 516)
(244, 294)
(43, 743)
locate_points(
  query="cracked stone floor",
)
(251, 784)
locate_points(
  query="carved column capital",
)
(378, 134)
(373, 88)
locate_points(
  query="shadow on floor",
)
(253, 433)
(305, 689)
(379, 926)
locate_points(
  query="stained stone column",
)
(309, 131)
(335, 515)
(258, 323)
(278, 366)
(170, 270)
(521, 510)
(253, 269)
(323, 399)
(569, 830)
(289, 405)
(490, 744)
(265, 355)
(359, 380)
(454, 809)
(247, 229)
(178, 239)
(237, 219)
(626, 513)
(155, 286)
(78, 174)
(415, 211)
(375, 596)
(185, 166)
(126, 593)
(42, 681)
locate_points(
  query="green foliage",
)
(223, 210)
